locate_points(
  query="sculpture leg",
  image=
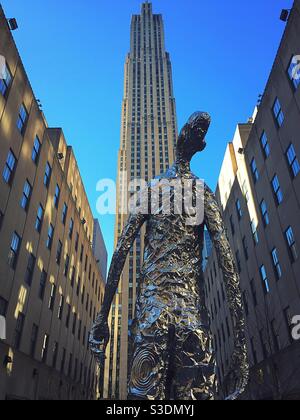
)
(194, 365)
(150, 363)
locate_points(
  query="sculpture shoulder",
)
(208, 191)
(174, 173)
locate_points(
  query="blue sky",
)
(74, 52)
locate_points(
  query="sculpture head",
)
(192, 137)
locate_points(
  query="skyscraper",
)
(148, 138)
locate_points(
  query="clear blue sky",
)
(74, 51)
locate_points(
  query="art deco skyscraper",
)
(148, 138)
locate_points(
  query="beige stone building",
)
(148, 137)
(51, 286)
(259, 191)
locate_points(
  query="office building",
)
(259, 192)
(51, 286)
(148, 139)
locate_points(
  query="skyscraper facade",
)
(148, 139)
(259, 191)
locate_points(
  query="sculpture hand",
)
(99, 339)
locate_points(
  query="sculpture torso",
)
(171, 277)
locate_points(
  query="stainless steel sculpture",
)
(173, 355)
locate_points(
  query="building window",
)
(254, 170)
(289, 234)
(27, 190)
(3, 307)
(245, 302)
(245, 247)
(52, 297)
(293, 161)
(277, 112)
(276, 263)
(36, 150)
(238, 260)
(54, 354)
(22, 119)
(45, 348)
(265, 280)
(47, 175)
(19, 330)
(294, 72)
(61, 307)
(78, 286)
(232, 226)
(264, 213)
(71, 228)
(275, 336)
(64, 214)
(265, 145)
(39, 219)
(277, 190)
(288, 323)
(76, 242)
(263, 344)
(9, 168)
(254, 354)
(43, 282)
(6, 81)
(30, 269)
(1, 219)
(14, 251)
(79, 331)
(59, 252)
(254, 232)
(56, 196)
(239, 209)
(73, 276)
(67, 263)
(33, 339)
(50, 237)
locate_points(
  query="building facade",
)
(50, 284)
(259, 192)
(99, 249)
(148, 139)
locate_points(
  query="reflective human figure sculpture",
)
(172, 350)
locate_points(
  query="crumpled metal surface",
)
(172, 352)
(172, 348)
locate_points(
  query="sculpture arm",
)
(100, 331)
(216, 228)
(127, 239)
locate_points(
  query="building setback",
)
(148, 138)
(259, 191)
(50, 284)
